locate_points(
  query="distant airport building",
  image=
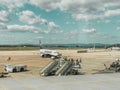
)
(115, 48)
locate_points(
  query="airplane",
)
(48, 53)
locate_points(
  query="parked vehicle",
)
(1, 75)
(15, 68)
(49, 53)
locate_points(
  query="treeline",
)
(96, 45)
(19, 45)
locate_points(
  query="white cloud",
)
(82, 9)
(27, 28)
(52, 25)
(40, 37)
(75, 32)
(107, 21)
(13, 4)
(83, 31)
(92, 9)
(118, 28)
(111, 3)
(81, 6)
(3, 16)
(3, 26)
(48, 5)
(87, 31)
(30, 18)
(112, 13)
(54, 28)
(85, 17)
(24, 28)
(104, 21)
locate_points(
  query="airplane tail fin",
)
(40, 45)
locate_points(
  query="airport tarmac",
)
(92, 62)
(79, 82)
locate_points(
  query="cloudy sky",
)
(59, 21)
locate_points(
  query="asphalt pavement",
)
(79, 82)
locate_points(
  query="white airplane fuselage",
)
(50, 53)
